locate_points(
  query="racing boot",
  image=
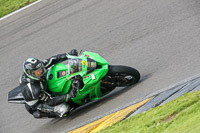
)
(38, 114)
(62, 109)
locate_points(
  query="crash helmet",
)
(34, 68)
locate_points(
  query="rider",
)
(34, 88)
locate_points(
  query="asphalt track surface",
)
(160, 38)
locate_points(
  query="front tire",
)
(124, 75)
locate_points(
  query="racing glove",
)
(71, 95)
(74, 52)
(77, 83)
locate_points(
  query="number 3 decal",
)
(85, 63)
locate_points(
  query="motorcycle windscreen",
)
(15, 96)
(76, 65)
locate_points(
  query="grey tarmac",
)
(160, 38)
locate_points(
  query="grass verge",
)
(8, 6)
(181, 115)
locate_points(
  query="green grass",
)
(181, 115)
(8, 6)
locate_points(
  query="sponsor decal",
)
(63, 73)
(85, 63)
(93, 77)
(86, 77)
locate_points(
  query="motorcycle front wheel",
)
(123, 75)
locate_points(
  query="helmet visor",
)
(39, 72)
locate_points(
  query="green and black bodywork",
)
(60, 76)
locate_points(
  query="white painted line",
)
(20, 9)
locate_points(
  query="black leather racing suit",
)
(35, 91)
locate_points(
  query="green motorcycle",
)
(97, 77)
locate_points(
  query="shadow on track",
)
(59, 122)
